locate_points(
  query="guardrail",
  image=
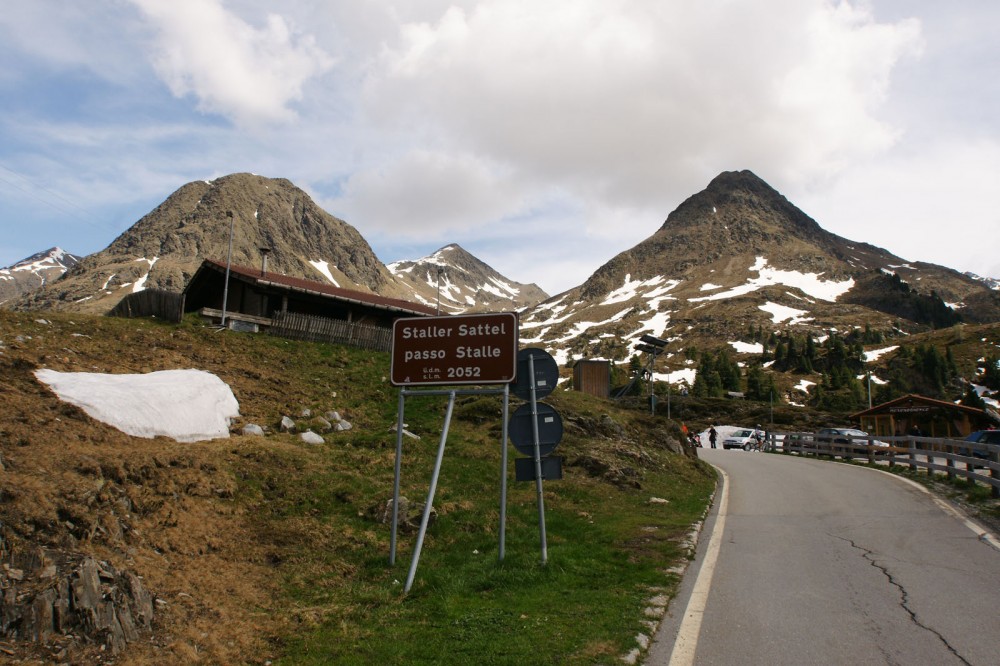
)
(956, 458)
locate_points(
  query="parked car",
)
(847, 437)
(984, 437)
(839, 435)
(741, 439)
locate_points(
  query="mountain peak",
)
(198, 221)
(745, 179)
(741, 198)
(739, 255)
(34, 272)
(460, 282)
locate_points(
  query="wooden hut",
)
(917, 414)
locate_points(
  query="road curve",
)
(825, 563)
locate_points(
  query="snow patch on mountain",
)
(809, 283)
(324, 268)
(747, 347)
(630, 289)
(581, 326)
(140, 284)
(780, 313)
(555, 308)
(45, 266)
(682, 376)
(655, 325)
(875, 354)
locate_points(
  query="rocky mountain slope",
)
(734, 257)
(739, 256)
(460, 282)
(164, 249)
(34, 273)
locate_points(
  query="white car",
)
(741, 439)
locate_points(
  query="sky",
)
(544, 138)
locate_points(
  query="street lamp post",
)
(654, 347)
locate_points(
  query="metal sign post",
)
(449, 350)
(537, 376)
(395, 482)
(538, 460)
(430, 495)
(503, 475)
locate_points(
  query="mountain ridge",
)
(164, 248)
(732, 257)
(464, 282)
(738, 236)
(34, 272)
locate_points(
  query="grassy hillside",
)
(269, 549)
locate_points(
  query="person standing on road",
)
(712, 436)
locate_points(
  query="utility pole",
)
(440, 270)
(668, 392)
(229, 262)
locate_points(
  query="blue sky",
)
(542, 137)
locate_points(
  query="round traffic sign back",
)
(546, 373)
(550, 429)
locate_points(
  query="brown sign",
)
(456, 349)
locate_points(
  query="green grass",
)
(583, 606)
(607, 547)
(312, 512)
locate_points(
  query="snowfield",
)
(185, 405)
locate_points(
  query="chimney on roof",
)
(264, 251)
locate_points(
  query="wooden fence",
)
(322, 329)
(166, 305)
(970, 460)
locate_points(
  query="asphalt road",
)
(824, 563)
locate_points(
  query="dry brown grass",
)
(162, 509)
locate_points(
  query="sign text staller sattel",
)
(459, 349)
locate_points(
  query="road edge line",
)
(686, 642)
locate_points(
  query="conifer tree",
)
(991, 373)
(972, 399)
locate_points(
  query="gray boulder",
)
(309, 437)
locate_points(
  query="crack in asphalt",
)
(904, 597)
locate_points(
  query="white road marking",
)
(687, 636)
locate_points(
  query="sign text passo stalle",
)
(459, 349)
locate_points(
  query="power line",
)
(79, 213)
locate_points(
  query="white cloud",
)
(543, 137)
(250, 75)
(432, 191)
(633, 105)
(909, 196)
